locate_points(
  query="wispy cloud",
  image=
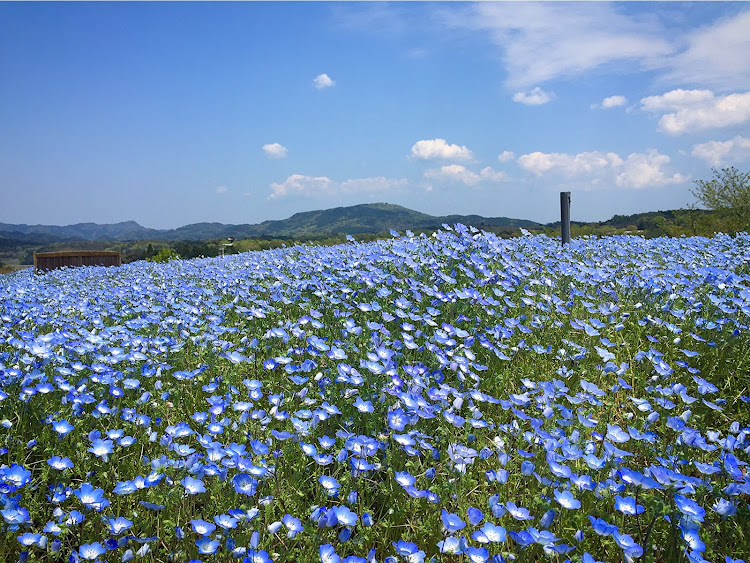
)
(535, 97)
(275, 150)
(323, 81)
(221, 190)
(439, 149)
(459, 173)
(310, 186)
(716, 56)
(506, 156)
(542, 41)
(637, 170)
(718, 153)
(688, 111)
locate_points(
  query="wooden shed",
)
(44, 261)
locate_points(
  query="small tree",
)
(729, 190)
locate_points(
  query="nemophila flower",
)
(91, 550)
(567, 500)
(519, 513)
(101, 448)
(451, 522)
(601, 527)
(59, 463)
(345, 516)
(193, 486)
(118, 525)
(91, 498)
(226, 521)
(489, 533)
(330, 485)
(15, 475)
(627, 544)
(724, 508)
(689, 508)
(452, 546)
(150, 505)
(475, 516)
(397, 420)
(328, 554)
(627, 505)
(546, 520)
(409, 551)
(262, 556)
(62, 427)
(245, 484)
(207, 546)
(202, 527)
(29, 539)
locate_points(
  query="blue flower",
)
(59, 463)
(193, 486)
(689, 508)
(451, 522)
(627, 505)
(91, 550)
(328, 554)
(118, 525)
(567, 500)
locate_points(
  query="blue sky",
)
(174, 113)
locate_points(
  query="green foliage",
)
(728, 193)
(166, 254)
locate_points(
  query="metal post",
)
(565, 217)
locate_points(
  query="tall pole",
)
(565, 217)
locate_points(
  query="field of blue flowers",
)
(454, 397)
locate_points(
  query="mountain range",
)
(357, 219)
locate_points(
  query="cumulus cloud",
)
(439, 149)
(718, 153)
(221, 190)
(644, 170)
(688, 111)
(459, 173)
(300, 184)
(275, 150)
(638, 170)
(506, 156)
(323, 81)
(535, 97)
(611, 102)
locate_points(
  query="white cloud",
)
(439, 148)
(644, 170)
(688, 111)
(638, 170)
(543, 41)
(458, 173)
(718, 153)
(299, 184)
(546, 40)
(613, 102)
(568, 164)
(716, 55)
(506, 156)
(536, 97)
(275, 150)
(323, 81)
(221, 189)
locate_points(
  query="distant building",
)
(45, 261)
